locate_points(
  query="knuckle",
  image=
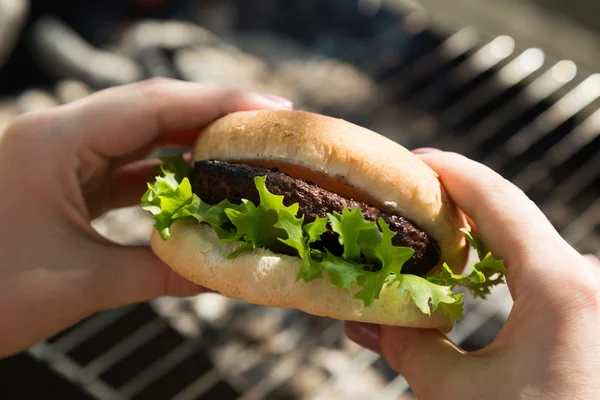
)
(231, 99)
(589, 288)
(31, 118)
(398, 353)
(155, 84)
(583, 287)
(593, 261)
(29, 123)
(233, 92)
(153, 91)
(502, 187)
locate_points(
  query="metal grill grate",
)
(533, 118)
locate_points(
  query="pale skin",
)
(549, 347)
(63, 167)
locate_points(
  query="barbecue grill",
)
(530, 116)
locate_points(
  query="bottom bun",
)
(268, 279)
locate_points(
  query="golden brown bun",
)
(341, 157)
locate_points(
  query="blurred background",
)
(510, 83)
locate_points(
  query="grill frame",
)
(460, 59)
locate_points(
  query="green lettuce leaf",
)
(487, 272)
(213, 215)
(270, 224)
(274, 226)
(315, 229)
(311, 259)
(170, 198)
(164, 199)
(343, 274)
(428, 296)
(177, 165)
(378, 246)
(348, 226)
(369, 261)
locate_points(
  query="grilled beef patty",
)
(215, 181)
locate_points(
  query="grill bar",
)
(282, 370)
(66, 367)
(515, 72)
(125, 347)
(88, 329)
(159, 368)
(531, 97)
(467, 73)
(567, 107)
(584, 224)
(539, 171)
(570, 188)
(415, 75)
(358, 364)
(199, 386)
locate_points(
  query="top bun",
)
(343, 158)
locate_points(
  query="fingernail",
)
(282, 101)
(425, 150)
(366, 335)
(592, 259)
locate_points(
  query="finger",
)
(182, 139)
(510, 224)
(135, 274)
(429, 150)
(129, 183)
(121, 120)
(426, 150)
(593, 260)
(472, 225)
(421, 356)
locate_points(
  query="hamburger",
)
(299, 210)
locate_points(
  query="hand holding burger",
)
(65, 166)
(548, 348)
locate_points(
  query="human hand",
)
(549, 347)
(61, 168)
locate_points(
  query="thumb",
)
(135, 274)
(424, 357)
